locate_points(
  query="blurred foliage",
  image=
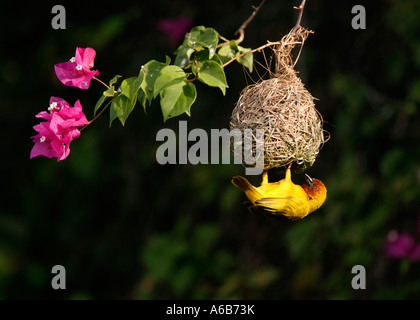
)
(126, 227)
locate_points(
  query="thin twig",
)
(99, 80)
(299, 19)
(241, 29)
(268, 44)
(97, 116)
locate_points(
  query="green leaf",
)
(227, 52)
(183, 55)
(177, 99)
(204, 55)
(124, 103)
(192, 37)
(246, 60)
(199, 38)
(151, 71)
(112, 113)
(114, 80)
(168, 75)
(110, 92)
(121, 107)
(233, 45)
(141, 97)
(209, 38)
(99, 103)
(130, 86)
(212, 74)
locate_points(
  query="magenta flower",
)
(175, 28)
(76, 72)
(403, 245)
(55, 134)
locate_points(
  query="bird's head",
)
(316, 191)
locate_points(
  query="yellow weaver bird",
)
(284, 197)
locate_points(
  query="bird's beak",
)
(309, 180)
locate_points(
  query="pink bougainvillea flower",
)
(175, 28)
(76, 72)
(398, 245)
(402, 245)
(415, 252)
(55, 134)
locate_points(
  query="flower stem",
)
(101, 82)
(97, 116)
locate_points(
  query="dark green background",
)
(126, 227)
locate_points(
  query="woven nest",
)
(284, 109)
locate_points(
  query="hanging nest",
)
(284, 109)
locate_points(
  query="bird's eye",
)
(316, 188)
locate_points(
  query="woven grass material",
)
(284, 109)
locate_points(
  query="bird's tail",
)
(250, 191)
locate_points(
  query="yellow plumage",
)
(284, 197)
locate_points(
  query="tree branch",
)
(241, 29)
(299, 19)
(268, 44)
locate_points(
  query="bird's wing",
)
(289, 206)
(261, 211)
